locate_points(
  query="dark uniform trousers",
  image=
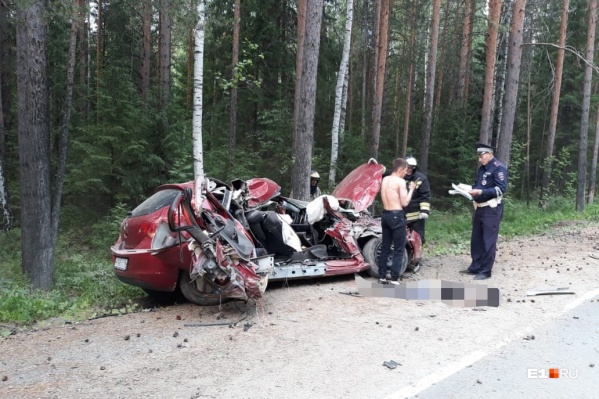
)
(483, 243)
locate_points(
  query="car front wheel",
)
(371, 252)
(198, 291)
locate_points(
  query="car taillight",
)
(163, 237)
(148, 228)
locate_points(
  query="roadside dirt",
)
(304, 339)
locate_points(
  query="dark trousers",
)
(394, 232)
(483, 243)
(418, 226)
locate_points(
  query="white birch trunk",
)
(339, 92)
(198, 87)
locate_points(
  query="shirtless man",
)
(395, 197)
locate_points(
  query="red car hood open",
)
(361, 186)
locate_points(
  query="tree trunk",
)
(439, 86)
(469, 55)
(65, 123)
(550, 144)
(592, 185)
(4, 202)
(233, 110)
(198, 89)
(99, 51)
(7, 219)
(586, 102)
(302, 6)
(339, 89)
(514, 59)
(412, 51)
(165, 57)
(381, 63)
(459, 95)
(430, 88)
(303, 140)
(34, 144)
(146, 51)
(490, 59)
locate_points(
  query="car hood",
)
(361, 186)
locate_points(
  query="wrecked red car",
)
(213, 241)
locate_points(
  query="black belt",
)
(394, 211)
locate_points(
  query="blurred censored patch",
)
(449, 292)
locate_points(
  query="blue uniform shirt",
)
(492, 179)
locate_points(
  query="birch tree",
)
(586, 102)
(198, 88)
(339, 91)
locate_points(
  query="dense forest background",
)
(132, 85)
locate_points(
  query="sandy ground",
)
(303, 339)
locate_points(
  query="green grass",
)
(85, 286)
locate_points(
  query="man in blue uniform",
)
(487, 193)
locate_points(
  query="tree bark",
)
(99, 52)
(146, 51)
(339, 90)
(165, 56)
(302, 6)
(412, 51)
(459, 95)
(234, 80)
(7, 219)
(490, 59)
(303, 140)
(439, 86)
(381, 64)
(34, 143)
(430, 88)
(514, 59)
(198, 89)
(550, 144)
(592, 184)
(586, 102)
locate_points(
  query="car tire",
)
(164, 297)
(371, 251)
(198, 291)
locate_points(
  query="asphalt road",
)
(522, 369)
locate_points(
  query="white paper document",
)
(461, 189)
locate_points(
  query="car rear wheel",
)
(371, 252)
(198, 291)
(164, 297)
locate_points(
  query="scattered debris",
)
(479, 382)
(549, 291)
(529, 337)
(350, 293)
(247, 326)
(480, 309)
(217, 323)
(391, 364)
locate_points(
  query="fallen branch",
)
(216, 323)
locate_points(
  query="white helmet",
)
(314, 175)
(411, 161)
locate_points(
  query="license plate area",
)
(120, 263)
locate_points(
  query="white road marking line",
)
(431, 379)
